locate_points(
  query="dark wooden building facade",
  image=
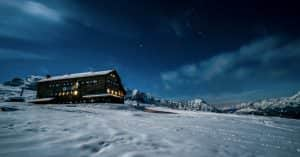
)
(89, 87)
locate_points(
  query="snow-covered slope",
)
(13, 88)
(117, 130)
(8, 91)
(284, 107)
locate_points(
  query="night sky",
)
(222, 51)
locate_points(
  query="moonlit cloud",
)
(268, 60)
(30, 20)
(34, 8)
(170, 76)
(41, 10)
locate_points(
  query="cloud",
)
(170, 76)
(6, 54)
(30, 20)
(41, 10)
(35, 9)
(258, 64)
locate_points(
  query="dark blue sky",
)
(216, 50)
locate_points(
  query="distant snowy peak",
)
(28, 82)
(199, 105)
(284, 107)
(198, 101)
(33, 79)
(296, 96)
(134, 92)
(194, 104)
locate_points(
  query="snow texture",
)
(118, 130)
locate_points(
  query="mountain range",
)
(283, 107)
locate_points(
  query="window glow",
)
(108, 90)
(75, 92)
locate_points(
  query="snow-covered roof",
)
(76, 75)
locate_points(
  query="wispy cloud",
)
(35, 9)
(41, 10)
(6, 54)
(264, 61)
(30, 20)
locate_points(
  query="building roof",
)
(76, 75)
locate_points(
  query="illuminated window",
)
(76, 84)
(75, 92)
(108, 90)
